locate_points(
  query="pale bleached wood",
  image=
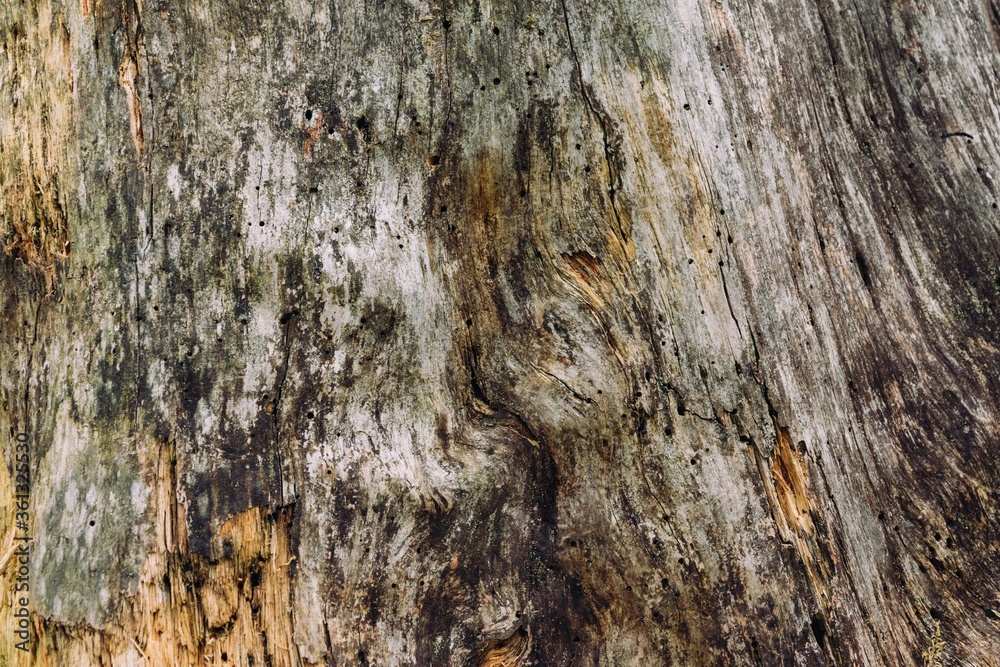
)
(499, 333)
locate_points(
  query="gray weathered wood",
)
(503, 333)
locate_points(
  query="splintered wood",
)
(37, 139)
(232, 609)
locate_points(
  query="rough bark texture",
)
(503, 333)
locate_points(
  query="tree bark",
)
(501, 333)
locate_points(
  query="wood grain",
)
(504, 333)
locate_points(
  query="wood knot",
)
(509, 652)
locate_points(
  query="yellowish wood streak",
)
(36, 138)
(188, 610)
(791, 479)
(508, 652)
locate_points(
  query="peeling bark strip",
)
(128, 70)
(127, 73)
(482, 334)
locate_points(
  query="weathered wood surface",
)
(504, 333)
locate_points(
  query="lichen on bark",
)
(494, 334)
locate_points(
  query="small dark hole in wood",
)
(819, 629)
